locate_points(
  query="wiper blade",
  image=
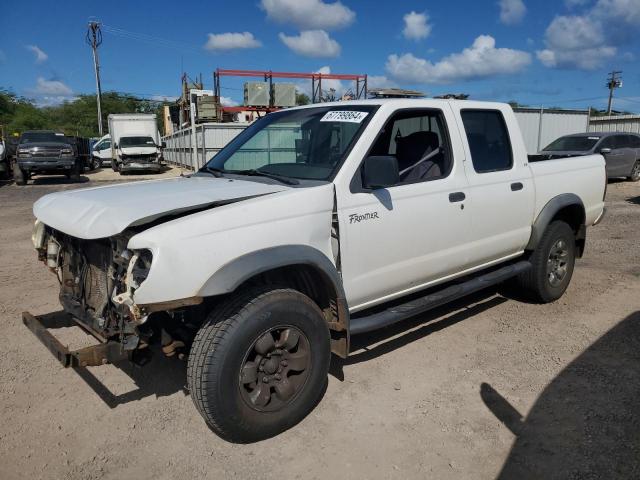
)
(260, 173)
(216, 172)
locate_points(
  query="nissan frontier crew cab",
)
(313, 225)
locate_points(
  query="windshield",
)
(308, 143)
(37, 137)
(573, 144)
(137, 142)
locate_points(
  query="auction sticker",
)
(344, 116)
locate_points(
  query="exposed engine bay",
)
(97, 281)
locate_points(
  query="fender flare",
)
(231, 275)
(547, 213)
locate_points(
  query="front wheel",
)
(552, 264)
(635, 172)
(259, 364)
(19, 175)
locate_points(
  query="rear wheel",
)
(635, 172)
(19, 175)
(259, 364)
(552, 264)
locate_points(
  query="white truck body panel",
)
(204, 242)
(101, 212)
(419, 237)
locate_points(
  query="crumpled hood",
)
(105, 211)
(138, 150)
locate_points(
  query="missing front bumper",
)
(103, 353)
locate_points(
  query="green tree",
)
(302, 98)
(74, 117)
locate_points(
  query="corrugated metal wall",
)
(541, 127)
(620, 123)
(193, 147)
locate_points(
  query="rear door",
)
(621, 156)
(501, 189)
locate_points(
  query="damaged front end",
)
(98, 279)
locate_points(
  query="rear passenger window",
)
(633, 141)
(488, 140)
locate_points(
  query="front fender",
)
(231, 275)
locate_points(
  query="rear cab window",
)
(488, 139)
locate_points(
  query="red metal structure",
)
(268, 75)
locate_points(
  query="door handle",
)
(516, 186)
(457, 197)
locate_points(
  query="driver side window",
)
(418, 140)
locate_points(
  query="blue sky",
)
(544, 52)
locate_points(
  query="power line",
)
(151, 39)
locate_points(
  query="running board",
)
(420, 305)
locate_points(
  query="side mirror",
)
(380, 171)
(164, 144)
(115, 145)
(605, 151)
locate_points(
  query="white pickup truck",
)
(313, 225)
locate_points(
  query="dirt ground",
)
(485, 388)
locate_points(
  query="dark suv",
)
(44, 152)
(621, 151)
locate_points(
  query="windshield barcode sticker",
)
(344, 116)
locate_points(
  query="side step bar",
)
(94, 355)
(420, 305)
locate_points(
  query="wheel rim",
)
(275, 369)
(636, 170)
(557, 263)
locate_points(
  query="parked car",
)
(621, 151)
(101, 153)
(45, 152)
(4, 160)
(312, 225)
(135, 143)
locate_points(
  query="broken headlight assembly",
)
(137, 272)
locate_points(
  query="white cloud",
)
(416, 26)
(309, 14)
(575, 3)
(312, 43)
(480, 60)
(51, 87)
(164, 98)
(50, 92)
(380, 81)
(512, 11)
(231, 41)
(228, 102)
(40, 55)
(589, 40)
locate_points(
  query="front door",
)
(399, 239)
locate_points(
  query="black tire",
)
(222, 351)
(635, 172)
(19, 176)
(97, 163)
(542, 283)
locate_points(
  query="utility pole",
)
(614, 81)
(94, 39)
